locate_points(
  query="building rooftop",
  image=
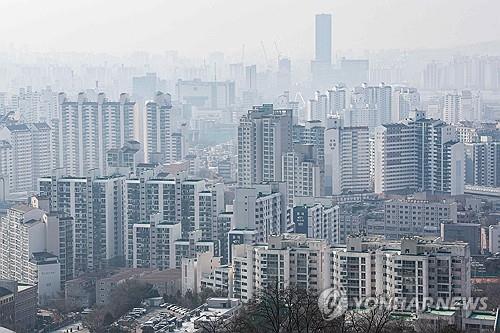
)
(483, 315)
(126, 274)
(41, 126)
(42, 258)
(23, 287)
(441, 312)
(4, 292)
(18, 127)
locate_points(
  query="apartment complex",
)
(419, 155)
(88, 129)
(410, 269)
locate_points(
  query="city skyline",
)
(157, 26)
(197, 191)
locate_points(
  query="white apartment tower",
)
(347, 158)
(318, 108)
(316, 221)
(27, 146)
(108, 219)
(87, 130)
(409, 270)
(29, 250)
(152, 243)
(264, 136)
(337, 100)
(452, 109)
(301, 172)
(404, 100)
(71, 197)
(370, 106)
(286, 260)
(420, 155)
(262, 209)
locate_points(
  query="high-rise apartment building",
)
(27, 149)
(28, 250)
(412, 270)
(91, 233)
(452, 109)
(159, 129)
(316, 221)
(151, 244)
(420, 155)
(264, 136)
(370, 106)
(318, 108)
(312, 133)
(191, 203)
(88, 129)
(337, 100)
(347, 158)
(286, 260)
(404, 100)
(108, 219)
(482, 163)
(301, 172)
(262, 209)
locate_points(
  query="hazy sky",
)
(196, 27)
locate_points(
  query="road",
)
(76, 327)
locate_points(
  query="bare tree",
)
(374, 319)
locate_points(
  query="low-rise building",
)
(24, 296)
(412, 217)
(105, 286)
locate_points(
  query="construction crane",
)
(298, 94)
(265, 54)
(277, 51)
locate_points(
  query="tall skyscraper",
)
(323, 38)
(264, 136)
(321, 66)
